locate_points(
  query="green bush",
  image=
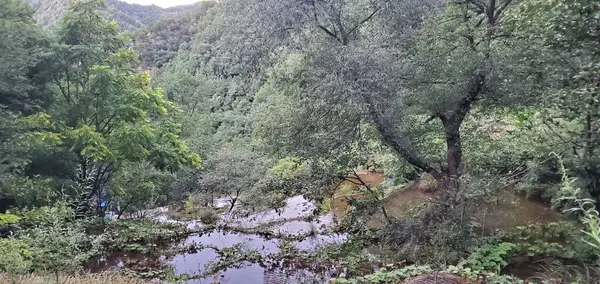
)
(557, 240)
(16, 256)
(7, 219)
(47, 215)
(490, 257)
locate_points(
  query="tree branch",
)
(501, 9)
(327, 31)
(363, 21)
(395, 141)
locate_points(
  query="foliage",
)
(159, 43)
(559, 38)
(113, 119)
(16, 256)
(194, 211)
(49, 241)
(554, 269)
(140, 236)
(490, 257)
(584, 206)
(128, 16)
(435, 235)
(7, 218)
(557, 240)
(139, 186)
(350, 254)
(233, 170)
(23, 49)
(285, 98)
(58, 247)
(233, 256)
(389, 276)
(396, 275)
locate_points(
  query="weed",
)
(490, 257)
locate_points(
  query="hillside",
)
(158, 43)
(129, 16)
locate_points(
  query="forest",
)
(300, 141)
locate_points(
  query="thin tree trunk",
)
(122, 211)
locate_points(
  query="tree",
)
(562, 37)
(138, 186)
(357, 77)
(22, 95)
(22, 49)
(234, 170)
(105, 115)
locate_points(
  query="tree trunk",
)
(122, 211)
(397, 142)
(453, 156)
(233, 201)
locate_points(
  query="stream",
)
(287, 221)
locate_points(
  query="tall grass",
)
(102, 278)
(585, 207)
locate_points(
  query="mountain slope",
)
(158, 43)
(128, 16)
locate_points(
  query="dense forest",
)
(317, 141)
(128, 16)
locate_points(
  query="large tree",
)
(105, 114)
(355, 74)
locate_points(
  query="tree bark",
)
(453, 154)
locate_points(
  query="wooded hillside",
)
(129, 16)
(458, 138)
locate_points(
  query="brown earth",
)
(349, 189)
(510, 210)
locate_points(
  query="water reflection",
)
(289, 220)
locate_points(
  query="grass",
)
(107, 277)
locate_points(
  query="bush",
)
(490, 257)
(139, 235)
(15, 256)
(436, 235)
(50, 240)
(192, 211)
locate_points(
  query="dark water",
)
(286, 221)
(278, 272)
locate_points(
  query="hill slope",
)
(129, 16)
(158, 43)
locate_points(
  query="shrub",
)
(15, 256)
(490, 257)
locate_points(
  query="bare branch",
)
(363, 21)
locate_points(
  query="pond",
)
(247, 272)
(290, 220)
